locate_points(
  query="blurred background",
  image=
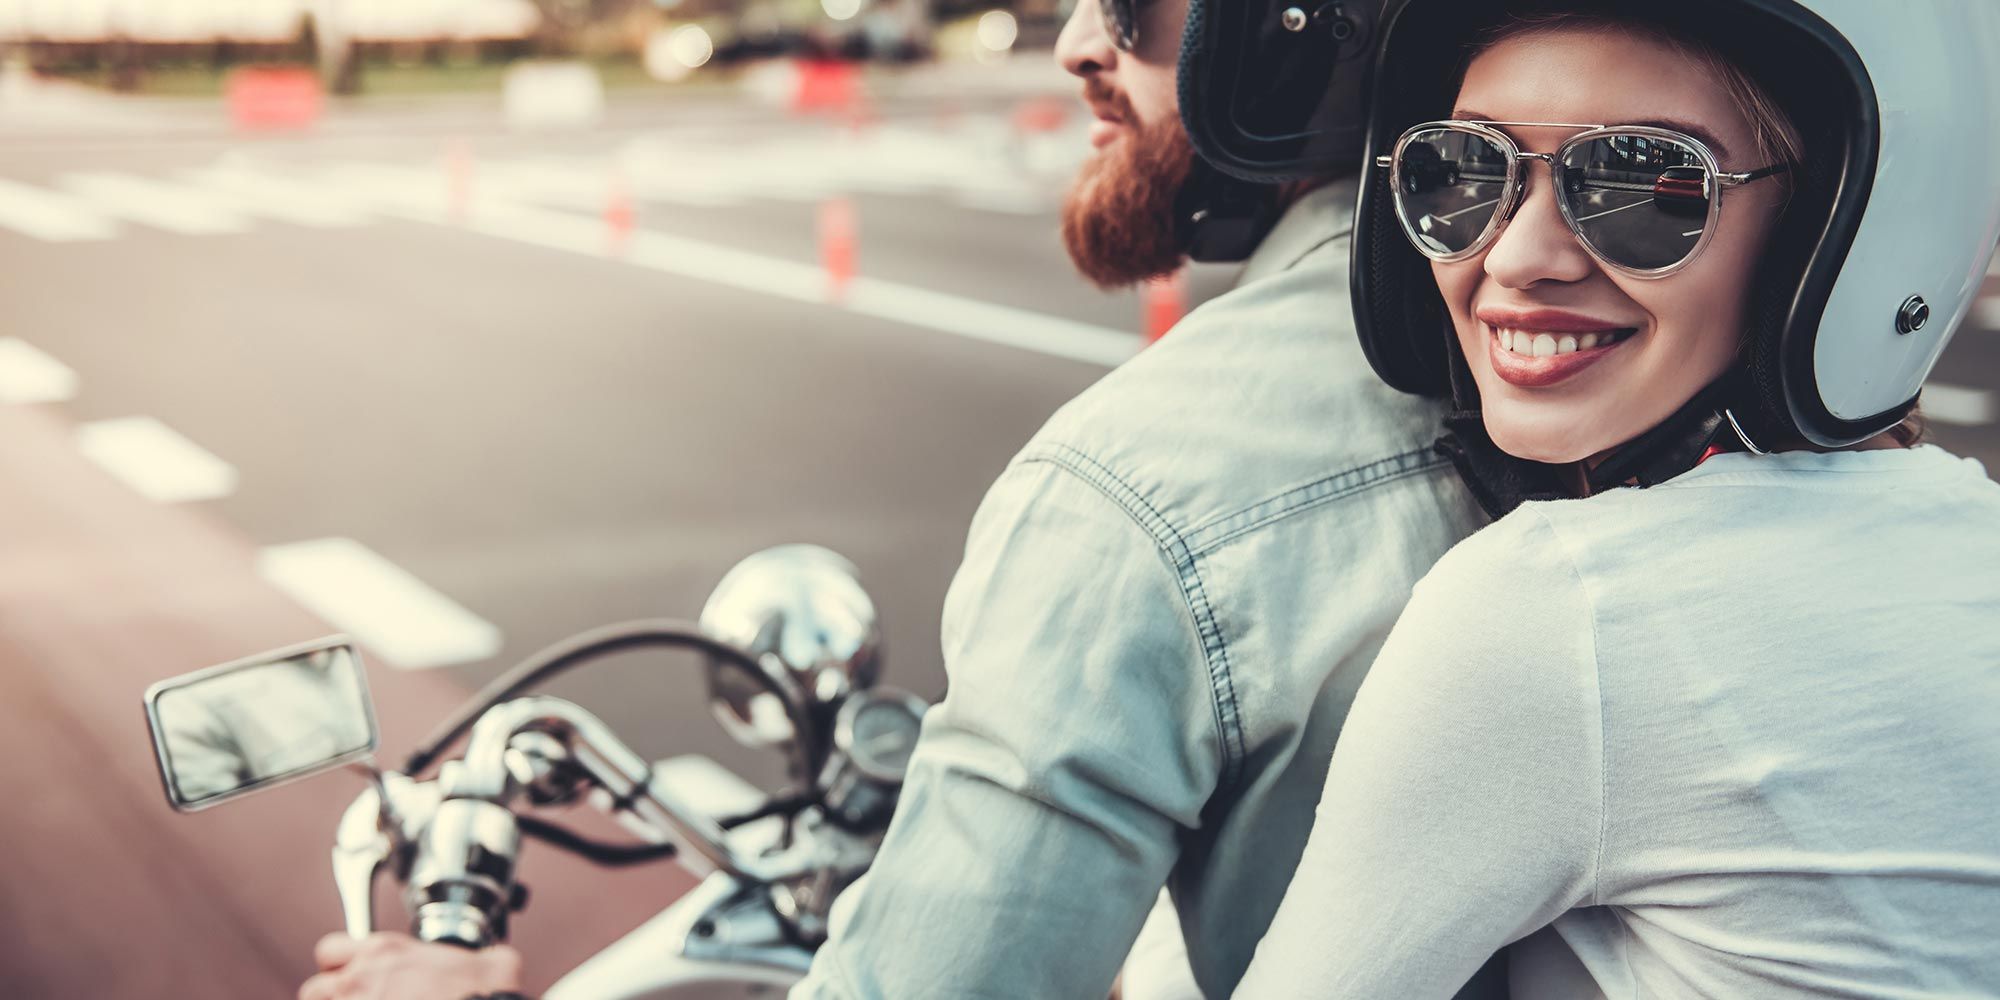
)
(465, 325)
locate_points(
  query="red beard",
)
(1119, 222)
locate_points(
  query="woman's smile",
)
(1542, 347)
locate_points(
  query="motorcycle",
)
(791, 651)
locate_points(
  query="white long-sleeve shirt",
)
(1737, 735)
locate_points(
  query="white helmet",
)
(1877, 260)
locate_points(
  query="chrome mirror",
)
(800, 609)
(235, 728)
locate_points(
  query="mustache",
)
(1103, 98)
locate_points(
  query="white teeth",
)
(1548, 345)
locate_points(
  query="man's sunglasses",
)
(1640, 199)
(1121, 21)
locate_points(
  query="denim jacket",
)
(1166, 603)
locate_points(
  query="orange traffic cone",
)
(1164, 302)
(621, 216)
(458, 181)
(837, 238)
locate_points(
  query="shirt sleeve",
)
(1159, 967)
(1464, 807)
(1044, 804)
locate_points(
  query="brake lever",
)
(361, 846)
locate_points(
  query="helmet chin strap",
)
(1220, 219)
(1502, 482)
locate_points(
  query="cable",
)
(789, 804)
(597, 851)
(655, 632)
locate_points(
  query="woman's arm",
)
(1464, 807)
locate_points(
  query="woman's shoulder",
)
(1512, 587)
(1501, 633)
(1525, 548)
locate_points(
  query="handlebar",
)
(645, 633)
(462, 886)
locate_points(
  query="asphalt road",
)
(545, 382)
(553, 380)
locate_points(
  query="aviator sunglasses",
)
(1642, 200)
(1121, 21)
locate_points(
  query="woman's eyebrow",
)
(1709, 139)
(1715, 145)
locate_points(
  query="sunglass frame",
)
(1714, 181)
(1123, 32)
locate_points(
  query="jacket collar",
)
(1317, 217)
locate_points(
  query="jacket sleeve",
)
(1465, 805)
(1043, 805)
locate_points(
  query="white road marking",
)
(51, 215)
(389, 611)
(274, 197)
(1957, 404)
(1018, 201)
(1448, 216)
(888, 300)
(29, 376)
(156, 203)
(1621, 208)
(1986, 312)
(412, 193)
(155, 460)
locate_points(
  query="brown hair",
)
(1776, 138)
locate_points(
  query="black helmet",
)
(1300, 114)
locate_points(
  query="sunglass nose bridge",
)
(1519, 195)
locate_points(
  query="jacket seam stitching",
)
(1318, 492)
(1215, 648)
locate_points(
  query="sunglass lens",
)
(1640, 201)
(1449, 186)
(1121, 22)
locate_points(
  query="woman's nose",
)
(1536, 245)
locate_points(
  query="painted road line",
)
(1986, 313)
(29, 376)
(406, 192)
(51, 215)
(155, 460)
(753, 272)
(272, 197)
(384, 607)
(156, 203)
(1957, 404)
(418, 195)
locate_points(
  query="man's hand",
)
(386, 966)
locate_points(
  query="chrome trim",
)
(622, 774)
(1913, 315)
(1741, 435)
(171, 684)
(843, 725)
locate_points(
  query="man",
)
(1166, 603)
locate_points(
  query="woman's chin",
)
(1549, 446)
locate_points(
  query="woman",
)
(1735, 733)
